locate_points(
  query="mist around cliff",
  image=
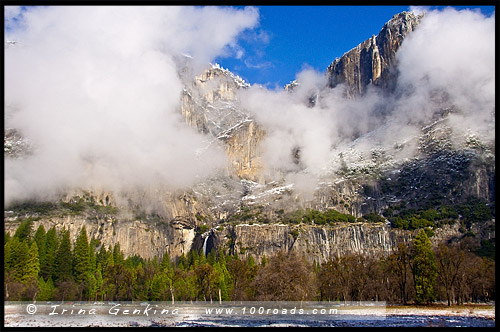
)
(448, 61)
(96, 90)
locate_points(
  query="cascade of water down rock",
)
(205, 244)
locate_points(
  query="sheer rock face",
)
(242, 147)
(318, 243)
(372, 62)
(136, 237)
(141, 225)
(210, 104)
(315, 242)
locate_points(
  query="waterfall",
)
(205, 243)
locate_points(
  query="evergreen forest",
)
(44, 265)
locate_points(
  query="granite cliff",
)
(238, 208)
(373, 61)
(210, 104)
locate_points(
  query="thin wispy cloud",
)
(258, 65)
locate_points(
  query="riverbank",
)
(19, 315)
(473, 310)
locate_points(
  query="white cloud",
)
(97, 91)
(239, 53)
(450, 51)
(258, 65)
(418, 10)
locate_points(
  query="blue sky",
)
(290, 38)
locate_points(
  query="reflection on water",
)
(389, 321)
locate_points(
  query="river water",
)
(241, 315)
(389, 321)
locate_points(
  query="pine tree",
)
(221, 258)
(168, 272)
(193, 259)
(192, 284)
(223, 281)
(102, 256)
(110, 262)
(99, 281)
(202, 258)
(51, 245)
(32, 266)
(165, 262)
(23, 232)
(30, 273)
(63, 259)
(140, 286)
(17, 257)
(46, 289)
(211, 257)
(92, 255)
(182, 262)
(81, 257)
(7, 257)
(424, 268)
(40, 238)
(117, 254)
(90, 282)
(161, 286)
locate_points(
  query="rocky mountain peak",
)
(371, 62)
(210, 104)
